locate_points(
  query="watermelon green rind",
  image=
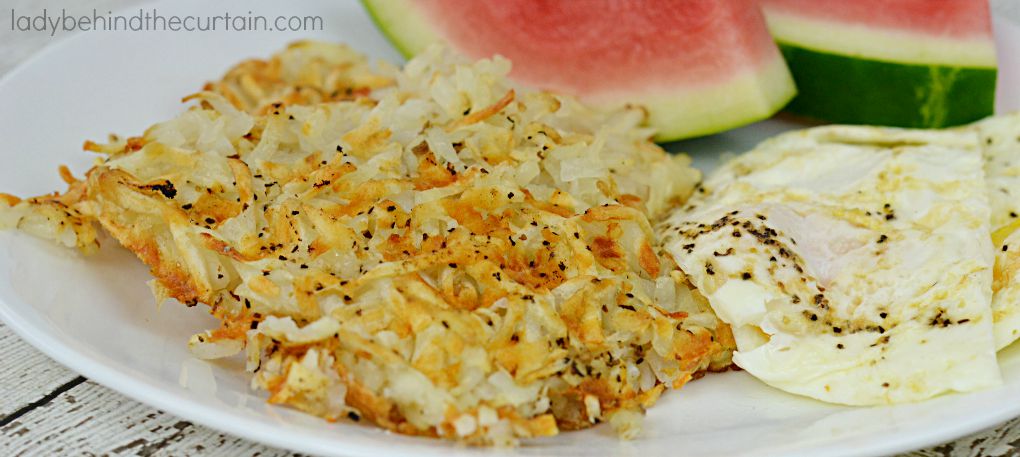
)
(852, 89)
(876, 62)
(391, 16)
(684, 113)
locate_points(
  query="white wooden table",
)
(46, 409)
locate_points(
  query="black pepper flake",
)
(282, 258)
(351, 414)
(883, 314)
(839, 346)
(837, 330)
(736, 233)
(745, 276)
(709, 269)
(510, 195)
(347, 298)
(367, 234)
(210, 220)
(1005, 247)
(186, 206)
(1012, 214)
(339, 148)
(166, 188)
(882, 238)
(304, 267)
(453, 265)
(391, 208)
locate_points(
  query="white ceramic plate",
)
(96, 315)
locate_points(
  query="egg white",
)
(1000, 141)
(854, 264)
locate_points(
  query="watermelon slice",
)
(699, 67)
(908, 63)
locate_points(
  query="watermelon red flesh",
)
(949, 18)
(598, 48)
(676, 57)
(909, 63)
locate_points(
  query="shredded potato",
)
(424, 248)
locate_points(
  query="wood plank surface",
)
(90, 419)
(26, 375)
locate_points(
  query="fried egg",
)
(853, 263)
(1000, 140)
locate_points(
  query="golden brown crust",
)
(446, 281)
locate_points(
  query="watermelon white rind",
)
(743, 100)
(721, 97)
(859, 73)
(881, 43)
